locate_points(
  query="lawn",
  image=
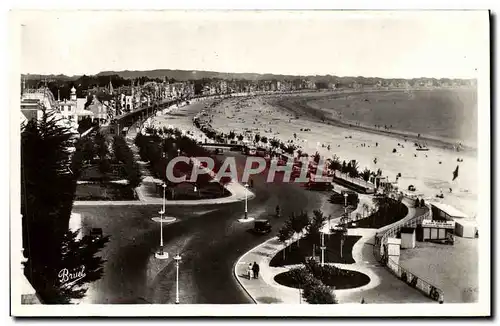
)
(92, 173)
(185, 191)
(348, 280)
(104, 191)
(378, 219)
(297, 253)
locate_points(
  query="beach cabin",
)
(446, 212)
(438, 230)
(393, 249)
(408, 238)
(464, 226)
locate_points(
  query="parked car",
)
(96, 233)
(262, 226)
(321, 186)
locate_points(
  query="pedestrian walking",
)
(250, 271)
(256, 269)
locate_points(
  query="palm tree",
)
(353, 172)
(335, 163)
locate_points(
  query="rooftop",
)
(450, 210)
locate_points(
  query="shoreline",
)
(302, 105)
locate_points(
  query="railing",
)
(368, 186)
(416, 282)
(380, 253)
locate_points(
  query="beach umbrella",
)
(455, 174)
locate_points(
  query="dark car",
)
(96, 233)
(321, 186)
(352, 198)
(262, 226)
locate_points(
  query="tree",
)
(344, 167)
(284, 234)
(257, 138)
(46, 205)
(124, 154)
(240, 137)
(264, 139)
(366, 174)
(297, 223)
(315, 225)
(335, 163)
(102, 150)
(353, 171)
(275, 143)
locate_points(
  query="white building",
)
(74, 108)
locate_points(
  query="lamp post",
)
(343, 226)
(161, 254)
(322, 249)
(178, 151)
(164, 188)
(246, 200)
(177, 259)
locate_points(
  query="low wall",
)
(379, 249)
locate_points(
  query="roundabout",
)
(347, 279)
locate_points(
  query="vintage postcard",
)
(250, 163)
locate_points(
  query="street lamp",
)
(177, 259)
(164, 188)
(246, 200)
(178, 152)
(161, 254)
(343, 226)
(322, 249)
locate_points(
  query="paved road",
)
(210, 241)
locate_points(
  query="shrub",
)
(318, 293)
(326, 273)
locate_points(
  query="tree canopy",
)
(48, 186)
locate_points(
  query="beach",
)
(297, 118)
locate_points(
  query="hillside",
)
(184, 75)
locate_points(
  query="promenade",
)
(383, 287)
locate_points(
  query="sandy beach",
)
(430, 172)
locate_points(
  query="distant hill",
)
(184, 75)
(49, 77)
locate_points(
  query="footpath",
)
(146, 191)
(383, 287)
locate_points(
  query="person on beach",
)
(250, 271)
(255, 269)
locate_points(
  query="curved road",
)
(209, 239)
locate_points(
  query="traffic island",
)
(299, 251)
(341, 280)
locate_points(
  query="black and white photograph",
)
(250, 163)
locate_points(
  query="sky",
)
(344, 43)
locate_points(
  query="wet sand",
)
(306, 107)
(288, 118)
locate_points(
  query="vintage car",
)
(262, 226)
